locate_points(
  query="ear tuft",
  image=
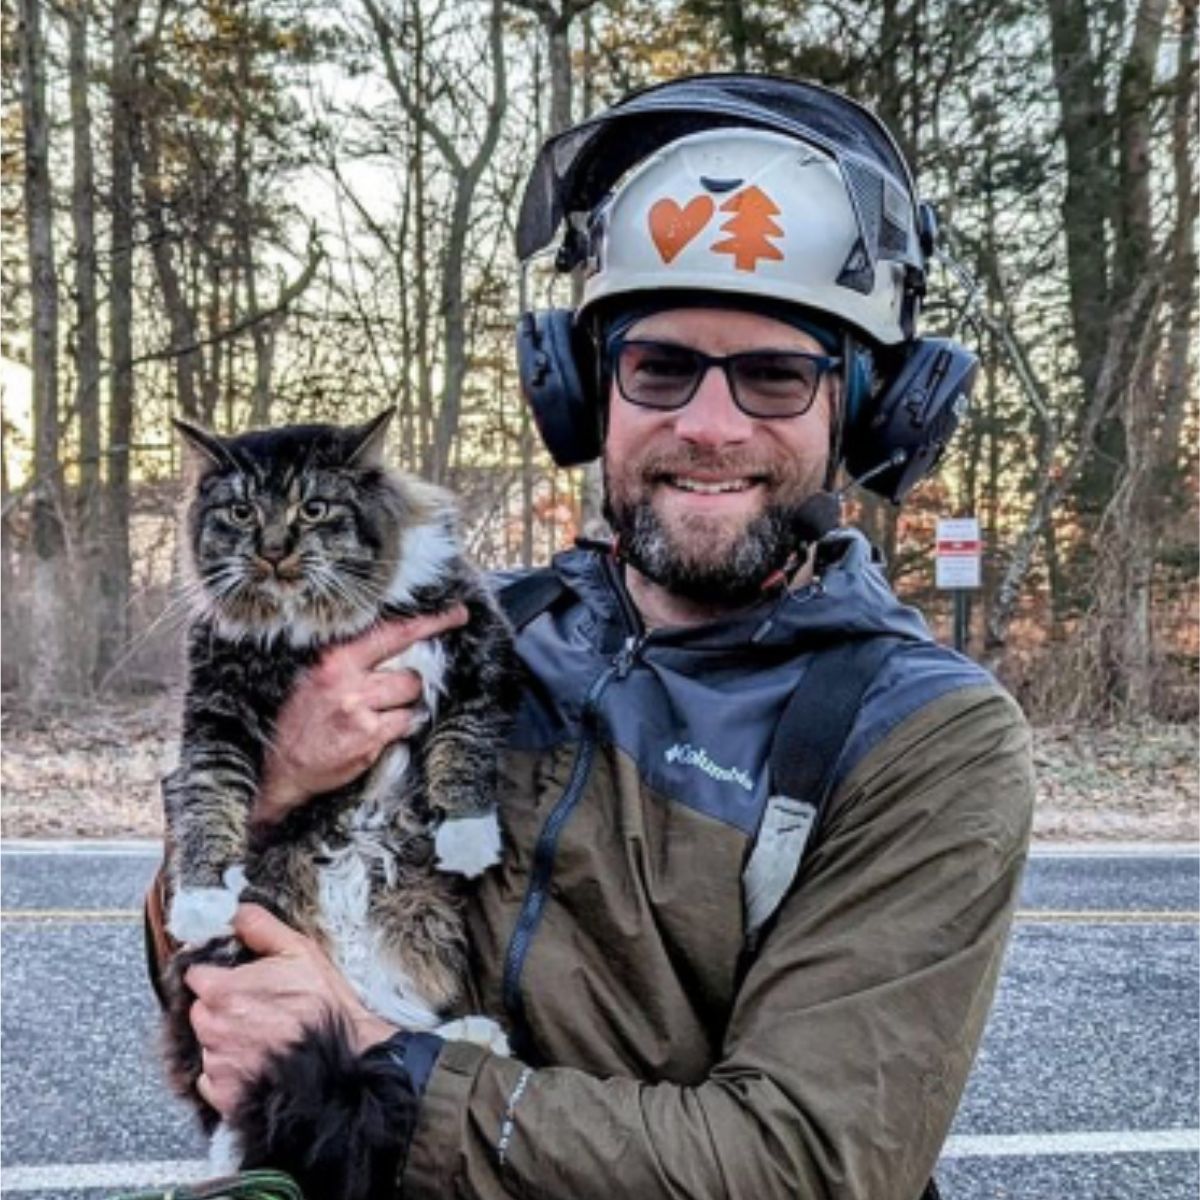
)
(367, 441)
(206, 445)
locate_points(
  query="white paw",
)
(480, 1031)
(468, 845)
(200, 914)
(224, 1152)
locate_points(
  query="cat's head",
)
(302, 531)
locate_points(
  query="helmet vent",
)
(866, 189)
(893, 235)
(857, 272)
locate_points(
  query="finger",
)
(200, 1017)
(263, 932)
(390, 638)
(396, 723)
(391, 689)
(206, 981)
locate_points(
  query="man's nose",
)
(711, 418)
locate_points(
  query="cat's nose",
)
(273, 554)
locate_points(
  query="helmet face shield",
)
(752, 213)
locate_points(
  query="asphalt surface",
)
(1087, 1085)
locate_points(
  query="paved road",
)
(1087, 1086)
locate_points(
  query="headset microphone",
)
(821, 513)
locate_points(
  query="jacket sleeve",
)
(851, 1036)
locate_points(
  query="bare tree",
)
(87, 325)
(465, 171)
(51, 676)
(556, 22)
(113, 615)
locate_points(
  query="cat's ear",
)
(366, 441)
(208, 447)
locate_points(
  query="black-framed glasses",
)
(763, 383)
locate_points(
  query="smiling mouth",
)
(711, 487)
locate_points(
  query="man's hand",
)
(343, 713)
(242, 1014)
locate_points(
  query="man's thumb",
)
(262, 931)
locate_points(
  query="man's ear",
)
(366, 441)
(207, 449)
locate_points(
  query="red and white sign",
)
(958, 552)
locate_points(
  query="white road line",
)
(58, 1177)
(1042, 1145)
(62, 1176)
(1114, 850)
(138, 848)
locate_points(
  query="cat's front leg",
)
(479, 1031)
(207, 801)
(460, 774)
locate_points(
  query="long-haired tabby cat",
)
(297, 538)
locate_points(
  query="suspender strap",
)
(527, 597)
(805, 752)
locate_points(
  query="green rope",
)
(248, 1185)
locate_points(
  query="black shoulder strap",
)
(525, 598)
(805, 751)
(817, 721)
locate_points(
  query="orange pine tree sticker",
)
(750, 229)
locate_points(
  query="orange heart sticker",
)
(672, 226)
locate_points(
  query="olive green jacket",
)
(655, 1057)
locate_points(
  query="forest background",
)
(247, 212)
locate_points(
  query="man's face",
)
(703, 498)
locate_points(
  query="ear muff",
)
(910, 422)
(555, 361)
(858, 383)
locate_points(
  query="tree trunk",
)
(50, 678)
(87, 336)
(467, 176)
(115, 580)
(1119, 623)
(1055, 480)
(1179, 374)
(1086, 137)
(186, 350)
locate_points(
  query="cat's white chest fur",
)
(344, 890)
(428, 660)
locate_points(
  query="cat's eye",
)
(313, 510)
(240, 513)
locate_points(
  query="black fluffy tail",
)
(337, 1123)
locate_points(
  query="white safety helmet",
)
(754, 213)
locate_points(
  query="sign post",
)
(958, 568)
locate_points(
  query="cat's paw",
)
(468, 845)
(480, 1031)
(199, 914)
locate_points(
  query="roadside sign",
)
(958, 553)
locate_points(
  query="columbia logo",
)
(696, 756)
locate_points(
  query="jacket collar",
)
(848, 597)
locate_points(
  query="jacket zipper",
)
(544, 852)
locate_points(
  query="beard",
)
(713, 560)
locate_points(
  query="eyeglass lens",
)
(763, 383)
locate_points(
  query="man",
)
(694, 1011)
